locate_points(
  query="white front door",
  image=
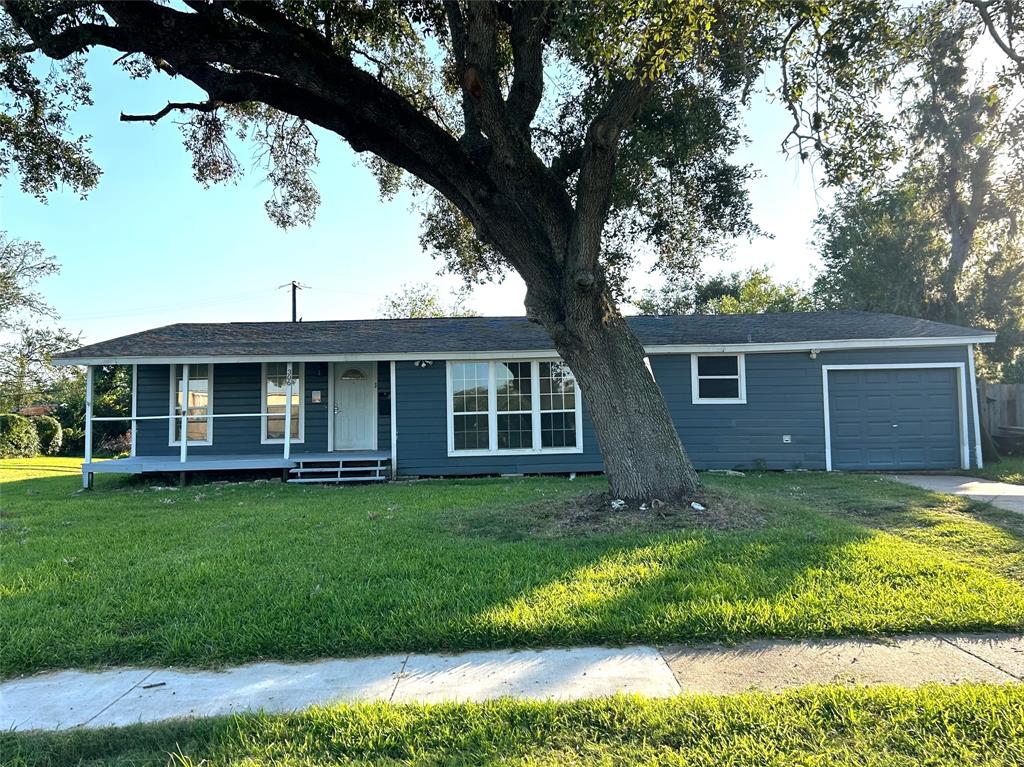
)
(355, 406)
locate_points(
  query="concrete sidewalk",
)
(1002, 495)
(117, 697)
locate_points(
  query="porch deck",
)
(141, 464)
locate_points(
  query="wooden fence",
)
(1001, 405)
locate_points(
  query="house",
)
(368, 399)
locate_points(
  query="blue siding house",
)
(372, 399)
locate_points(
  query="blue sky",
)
(150, 246)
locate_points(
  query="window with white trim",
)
(557, 405)
(200, 404)
(275, 401)
(469, 402)
(520, 406)
(718, 378)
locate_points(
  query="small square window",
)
(718, 379)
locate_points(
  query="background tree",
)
(421, 299)
(748, 292)
(942, 240)
(554, 139)
(27, 374)
(22, 265)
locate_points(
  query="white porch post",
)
(184, 412)
(394, 423)
(135, 399)
(289, 381)
(86, 474)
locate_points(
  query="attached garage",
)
(895, 418)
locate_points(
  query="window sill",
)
(720, 401)
(281, 441)
(192, 443)
(540, 451)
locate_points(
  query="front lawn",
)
(1009, 469)
(212, 574)
(962, 726)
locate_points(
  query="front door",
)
(355, 406)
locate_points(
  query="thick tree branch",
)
(984, 9)
(472, 136)
(597, 169)
(529, 23)
(173, 106)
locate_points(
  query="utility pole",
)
(296, 286)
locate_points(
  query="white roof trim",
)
(786, 346)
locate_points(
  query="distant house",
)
(369, 399)
(32, 411)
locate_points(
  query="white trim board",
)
(960, 367)
(532, 354)
(979, 461)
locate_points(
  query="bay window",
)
(512, 407)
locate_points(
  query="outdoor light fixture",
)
(814, 354)
(423, 363)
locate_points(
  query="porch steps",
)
(341, 468)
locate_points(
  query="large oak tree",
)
(557, 140)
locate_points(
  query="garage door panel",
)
(894, 419)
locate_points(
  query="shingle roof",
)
(482, 334)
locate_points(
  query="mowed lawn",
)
(1010, 468)
(219, 573)
(961, 726)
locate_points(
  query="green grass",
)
(1009, 469)
(217, 574)
(961, 726)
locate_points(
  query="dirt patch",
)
(600, 513)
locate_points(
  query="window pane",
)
(275, 398)
(557, 387)
(198, 401)
(719, 388)
(558, 429)
(718, 366)
(512, 381)
(470, 432)
(515, 431)
(469, 387)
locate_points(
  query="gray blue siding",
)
(784, 396)
(236, 389)
(423, 434)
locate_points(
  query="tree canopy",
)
(748, 292)
(421, 300)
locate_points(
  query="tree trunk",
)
(643, 456)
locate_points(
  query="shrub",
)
(74, 441)
(115, 445)
(51, 435)
(18, 437)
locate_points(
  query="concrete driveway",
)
(1003, 495)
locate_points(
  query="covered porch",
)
(313, 420)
